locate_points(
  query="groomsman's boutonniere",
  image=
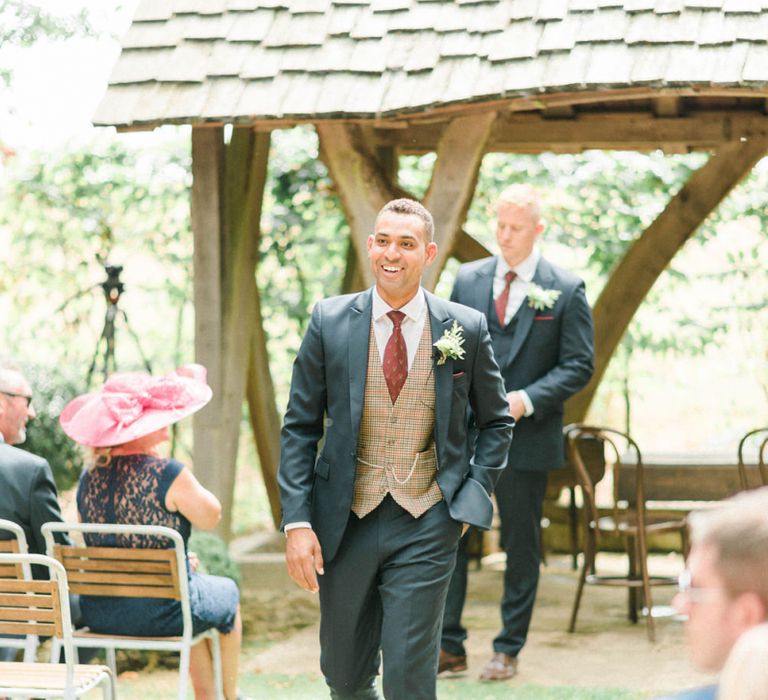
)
(540, 298)
(450, 344)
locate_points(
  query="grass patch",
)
(303, 687)
(161, 685)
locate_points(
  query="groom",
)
(373, 514)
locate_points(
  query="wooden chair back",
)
(623, 460)
(758, 437)
(120, 572)
(30, 607)
(16, 545)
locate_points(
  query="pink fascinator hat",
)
(134, 404)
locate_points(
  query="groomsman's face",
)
(516, 232)
(398, 252)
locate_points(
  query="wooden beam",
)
(628, 130)
(354, 277)
(668, 106)
(466, 248)
(535, 133)
(650, 254)
(452, 185)
(363, 184)
(388, 164)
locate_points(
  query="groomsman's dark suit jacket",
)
(326, 401)
(550, 355)
(27, 494)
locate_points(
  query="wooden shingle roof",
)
(192, 61)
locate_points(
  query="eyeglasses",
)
(695, 594)
(26, 397)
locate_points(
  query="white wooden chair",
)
(17, 545)
(134, 573)
(42, 608)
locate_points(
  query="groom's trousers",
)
(383, 595)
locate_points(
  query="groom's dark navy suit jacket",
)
(320, 431)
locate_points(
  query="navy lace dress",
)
(132, 489)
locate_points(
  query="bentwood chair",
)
(42, 608)
(17, 545)
(136, 573)
(757, 438)
(624, 517)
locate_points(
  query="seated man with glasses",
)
(27, 490)
(724, 591)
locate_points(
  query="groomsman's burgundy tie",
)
(395, 357)
(503, 298)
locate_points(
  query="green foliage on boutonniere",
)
(540, 298)
(450, 344)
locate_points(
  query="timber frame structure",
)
(461, 78)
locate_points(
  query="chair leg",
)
(573, 527)
(108, 688)
(111, 660)
(55, 650)
(183, 672)
(633, 604)
(648, 601)
(588, 564)
(30, 649)
(217, 672)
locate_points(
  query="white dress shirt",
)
(411, 326)
(519, 287)
(518, 290)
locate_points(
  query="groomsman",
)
(541, 330)
(374, 478)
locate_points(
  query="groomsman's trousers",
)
(383, 594)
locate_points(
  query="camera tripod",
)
(113, 287)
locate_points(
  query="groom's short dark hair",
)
(414, 208)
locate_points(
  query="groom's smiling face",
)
(398, 252)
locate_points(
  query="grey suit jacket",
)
(28, 496)
(326, 402)
(551, 356)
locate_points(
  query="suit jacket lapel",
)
(440, 321)
(527, 312)
(483, 288)
(357, 349)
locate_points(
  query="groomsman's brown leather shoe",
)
(452, 663)
(501, 667)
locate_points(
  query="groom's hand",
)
(304, 558)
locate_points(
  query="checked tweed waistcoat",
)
(396, 451)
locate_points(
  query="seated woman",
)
(128, 483)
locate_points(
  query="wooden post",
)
(228, 183)
(207, 230)
(650, 254)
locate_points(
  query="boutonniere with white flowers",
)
(540, 298)
(449, 346)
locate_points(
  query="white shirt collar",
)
(414, 309)
(524, 270)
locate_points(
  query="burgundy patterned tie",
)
(395, 357)
(503, 298)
